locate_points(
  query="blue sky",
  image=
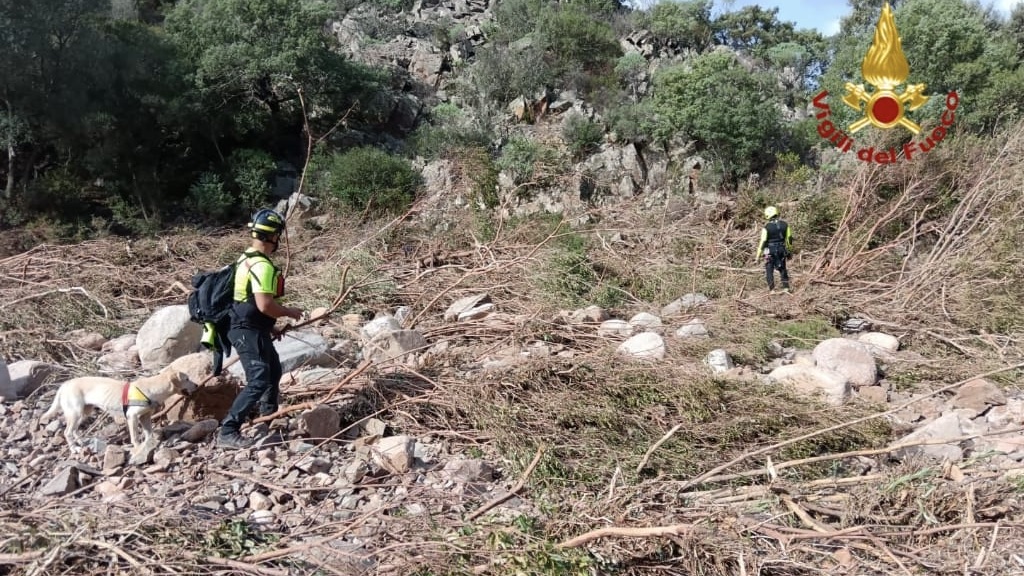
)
(823, 15)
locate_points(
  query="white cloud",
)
(1005, 6)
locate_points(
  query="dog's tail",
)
(53, 407)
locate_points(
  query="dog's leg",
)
(133, 425)
(147, 427)
(71, 430)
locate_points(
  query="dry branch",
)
(512, 491)
(676, 530)
(647, 455)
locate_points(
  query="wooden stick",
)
(21, 558)
(678, 529)
(73, 289)
(519, 485)
(245, 567)
(643, 461)
(137, 567)
(804, 516)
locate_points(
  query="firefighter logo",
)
(885, 67)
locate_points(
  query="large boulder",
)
(834, 387)
(25, 377)
(198, 366)
(167, 335)
(848, 357)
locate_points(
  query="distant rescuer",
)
(775, 247)
(258, 285)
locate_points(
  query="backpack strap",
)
(243, 260)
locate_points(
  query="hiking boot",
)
(233, 440)
(272, 439)
(261, 430)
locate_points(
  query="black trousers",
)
(776, 260)
(262, 368)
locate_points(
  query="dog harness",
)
(132, 396)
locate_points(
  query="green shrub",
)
(483, 172)
(210, 198)
(370, 180)
(632, 122)
(570, 276)
(575, 40)
(518, 159)
(250, 173)
(581, 135)
(515, 19)
(502, 73)
(806, 333)
(631, 69)
(446, 134)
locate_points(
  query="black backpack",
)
(212, 295)
(209, 302)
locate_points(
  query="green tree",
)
(752, 28)
(46, 79)
(946, 43)
(727, 108)
(687, 24)
(632, 70)
(249, 59)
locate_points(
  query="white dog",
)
(136, 400)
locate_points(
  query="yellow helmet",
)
(266, 223)
(770, 212)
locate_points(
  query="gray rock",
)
(25, 377)
(695, 328)
(615, 328)
(321, 422)
(683, 303)
(719, 361)
(646, 346)
(166, 335)
(849, 358)
(200, 430)
(813, 379)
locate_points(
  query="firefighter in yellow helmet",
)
(775, 247)
(258, 286)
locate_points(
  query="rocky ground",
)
(455, 423)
